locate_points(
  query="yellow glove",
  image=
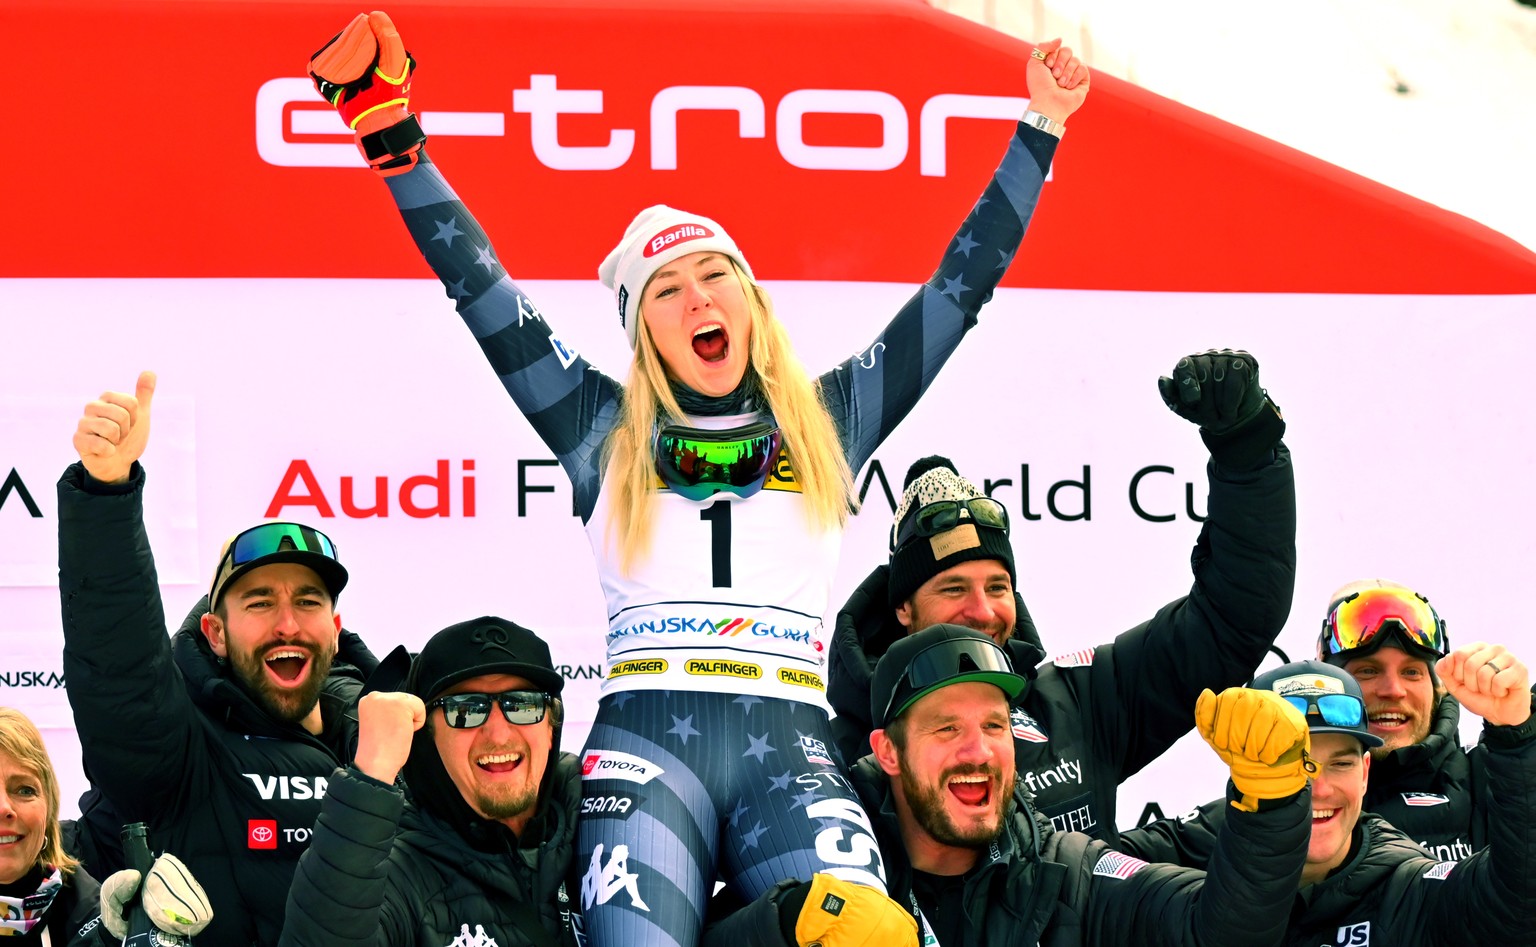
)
(1263, 739)
(839, 913)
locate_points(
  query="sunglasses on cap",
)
(1357, 621)
(944, 515)
(265, 540)
(1336, 710)
(951, 660)
(468, 711)
(697, 464)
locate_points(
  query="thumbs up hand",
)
(114, 430)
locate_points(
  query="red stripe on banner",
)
(215, 177)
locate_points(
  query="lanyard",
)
(922, 922)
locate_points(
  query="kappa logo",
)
(1025, 727)
(815, 751)
(1425, 799)
(611, 764)
(682, 233)
(1354, 935)
(602, 882)
(261, 833)
(478, 939)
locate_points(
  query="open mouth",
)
(710, 342)
(1323, 816)
(287, 664)
(10, 839)
(499, 762)
(973, 789)
(1388, 721)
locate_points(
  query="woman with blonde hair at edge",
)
(714, 486)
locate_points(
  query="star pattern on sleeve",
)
(447, 230)
(964, 244)
(954, 287)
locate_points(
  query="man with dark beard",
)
(979, 867)
(221, 738)
(1096, 715)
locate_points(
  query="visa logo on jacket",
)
(288, 787)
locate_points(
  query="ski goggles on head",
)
(944, 515)
(1336, 710)
(1361, 620)
(952, 661)
(278, 542)
(468, 711)
(697, 464)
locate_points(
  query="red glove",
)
(366, 73)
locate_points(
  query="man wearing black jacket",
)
(1365, 882)
(1097, 716)
(222, 738)
(978, 868)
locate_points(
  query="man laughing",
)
(223, 736)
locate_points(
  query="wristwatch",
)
(1048, 125)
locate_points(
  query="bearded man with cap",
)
(1096, 716)
(220, 739)
(1366, 881)
(979, 867)
(714, 486)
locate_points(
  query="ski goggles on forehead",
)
(265, 540)
(468, 711)
(1336, 710)
(942, 516)
(1359, 620)
(952, 661)
(697, 464)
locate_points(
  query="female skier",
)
(714, 486)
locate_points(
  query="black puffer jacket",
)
(1034, 885)
(169, 738)
(364, 882)
(72, 920)
(1094, 718)
(1391, 892)
(1435, 792)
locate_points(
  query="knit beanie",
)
(923, 557)
(657, 236)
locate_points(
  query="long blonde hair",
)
(794, 399)
(20, 740)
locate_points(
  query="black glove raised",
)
(1219, 390)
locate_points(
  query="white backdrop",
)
(1406, 420)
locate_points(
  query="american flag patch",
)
(1425, 799)
(1438, 872)
(1118, 865)
(1025, 728)
(1077, 659)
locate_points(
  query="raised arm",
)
(1245, 898)
(874, 390)
(1490, 898)
(1244, 564)
(341, 889)
(366, 73)
(140, 737)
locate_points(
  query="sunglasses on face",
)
(944, 515)
(943, 661)
(468, 711)
(698, 464)
(1357, 620)
(1336, 710)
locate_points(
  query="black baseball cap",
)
(485, 645)
(938, 656)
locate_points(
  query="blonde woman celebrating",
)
(714, 486)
